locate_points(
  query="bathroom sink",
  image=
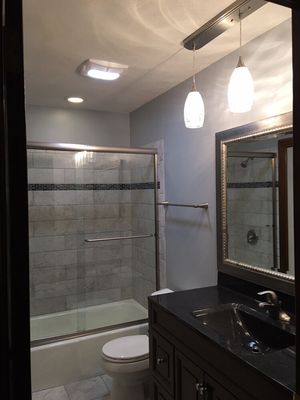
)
(244, 329)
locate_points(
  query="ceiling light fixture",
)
(241, 86)
(194, 107)
(99, 69)
(105, 75)
(219, 24)
(75, 100)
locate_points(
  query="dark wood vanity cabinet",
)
(177, 377)
(216, 391)
(189, 379)
(162, 361)
(186, 366)
(159, 393)
(192, 383)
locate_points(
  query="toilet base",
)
(130, 381)
(129, 375)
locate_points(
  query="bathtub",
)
(85, 319)
(72, 359)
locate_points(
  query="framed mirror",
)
(255, 230)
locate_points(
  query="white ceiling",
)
(144, 34)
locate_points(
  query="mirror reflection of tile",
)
(252, 202)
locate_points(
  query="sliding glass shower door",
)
(93, 239)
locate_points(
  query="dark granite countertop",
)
(278, 366)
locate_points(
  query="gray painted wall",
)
(99, 128)
(190, 154)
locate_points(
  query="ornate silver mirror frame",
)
(271, 279)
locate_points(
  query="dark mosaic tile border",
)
(90, 186)
(250, 185)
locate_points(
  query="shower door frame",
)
(116, 150)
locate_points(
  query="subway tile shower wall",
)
(250, 207)
(69, 201)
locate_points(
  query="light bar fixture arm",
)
(225, 20)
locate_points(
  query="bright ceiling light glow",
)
(240, 90)
(105, 75)
(100, 69)
(194, 110)
(75, 100)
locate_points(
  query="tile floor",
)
(96, 388)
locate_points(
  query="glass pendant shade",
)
(194, 110)
(240, 89)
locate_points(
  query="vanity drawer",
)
(162, 361)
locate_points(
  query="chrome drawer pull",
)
(201, 389)
(160, 361)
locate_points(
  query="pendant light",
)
(241, 86)
(194, 106)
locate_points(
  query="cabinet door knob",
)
(160, 360)
(201, 389)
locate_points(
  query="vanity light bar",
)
(226, 19)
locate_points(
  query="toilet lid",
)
(134, 347)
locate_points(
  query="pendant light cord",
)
(240, 15)
(240, 62)
(194, 78)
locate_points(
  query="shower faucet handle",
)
(252, 237)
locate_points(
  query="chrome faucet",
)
(273, 306)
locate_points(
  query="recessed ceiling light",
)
(100, 69)
(75, 99)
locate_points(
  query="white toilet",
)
(126, 360)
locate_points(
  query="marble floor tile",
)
(88, 389)
(108, 381)
(57, 393)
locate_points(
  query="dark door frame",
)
(14, 273)
(296, 90)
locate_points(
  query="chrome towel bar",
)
(118, 238)
(167, 203)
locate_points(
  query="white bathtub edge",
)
(71, 360)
